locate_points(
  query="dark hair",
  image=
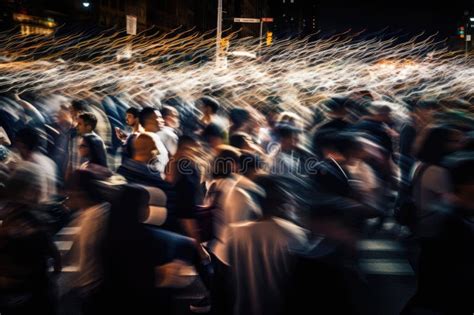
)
(238, 116)
(89, 119)
(30, 137)
(96, 151)
(335, 104)
(134, 111)
(79, 105)
(285, 130)
(213, 130)
(222, 164)
(210, 102)
(238, 140)
(168, 111)
(434, 146)
(346, 144)
(145, 114)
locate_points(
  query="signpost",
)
(246, 20)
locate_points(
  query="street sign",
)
(131, 25)
(246, 20)
(468, 38)
(267, 20)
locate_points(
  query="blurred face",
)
(172, 120)
(82, 128)
(155, 122)
(73, 113)
(83, 149)
(64, 118)
(290, 142)
(207, 110)
(131, 120)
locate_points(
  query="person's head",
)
(27, 141)
(240, 141)
(425, 109)
(209, 105)
(82, 190)
(214, 135)
(290, 119)
(77, 107)
(131, 116)
(89, 149)
(334, 107)
(151, 119)
(288, 136)
(64, 118)
(380, 111)
(170, 116)
(226, 163)
(144, 148)
(437, 142)
(343, 147)
(188, 145)
(86, 123)
(239, 117)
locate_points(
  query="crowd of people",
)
(267, 205)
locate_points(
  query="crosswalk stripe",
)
(67, 269)
(379, 245)
(63, 245)
(69, 231)
(394, 267)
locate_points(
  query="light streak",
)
(299, 72)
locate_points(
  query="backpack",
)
(405, 211)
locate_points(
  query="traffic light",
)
(224, 43)
(269, 38)
(461, 32)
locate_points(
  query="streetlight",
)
(86, 4)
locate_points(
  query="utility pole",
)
(219, 32)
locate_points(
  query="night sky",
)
(400, 17)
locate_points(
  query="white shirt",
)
(169, 138)
(163, 157)
(48, 173)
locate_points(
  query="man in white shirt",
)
(152, 121)
(168, 134)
